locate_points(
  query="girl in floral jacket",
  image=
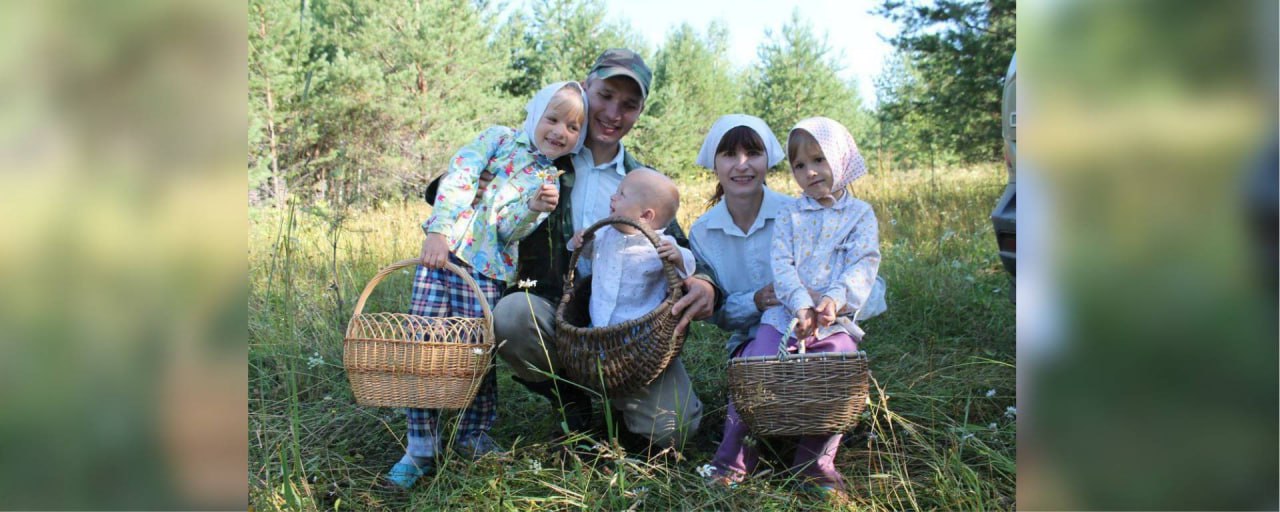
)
(497, 190)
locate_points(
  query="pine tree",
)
(961, 50)
(693, 84)
(279, 71)
(797, 76)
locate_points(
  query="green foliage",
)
(279, 70)
(370, 97)
(796, 77)
(932, 439)
(359, 102)
(560, 41)
(942, 92)
(694, 83)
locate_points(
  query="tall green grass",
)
(931, 439)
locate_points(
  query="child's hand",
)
(669, 252)
(546, 199)
(826, 312)
(804, 328)
(576, 241)
(435, 251)
(817, 297)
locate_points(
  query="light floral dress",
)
(831, 249)
(834, 250)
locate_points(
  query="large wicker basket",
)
(799, 394)
(620, 358)
(403, 360)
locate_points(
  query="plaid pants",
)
(441, 293)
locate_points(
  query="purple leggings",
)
(815, 455)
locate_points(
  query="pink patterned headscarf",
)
(837, 146)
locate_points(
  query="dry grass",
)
(932, 439)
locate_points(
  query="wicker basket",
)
(620, 358)
(799, 394)
(402, 360)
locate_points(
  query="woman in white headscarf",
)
(735, 238)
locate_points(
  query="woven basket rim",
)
(588, 331)
(809, 356)
(674, 290)
(487, 313)
(421, 343)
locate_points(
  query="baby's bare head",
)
(649, 196)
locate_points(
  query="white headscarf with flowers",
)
(772, 150)
(838, 148)
(538, 105)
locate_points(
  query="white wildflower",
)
(314, 361)
(1011, 412)
(327, 397)
(477, 351)
(535, 465)
(992, 426)
(991, 393)
(527, 283)
(706, 470)
(967, 436)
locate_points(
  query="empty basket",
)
(799, 394)
(403, 360)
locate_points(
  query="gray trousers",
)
(667, 411)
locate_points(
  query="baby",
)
(627, 280)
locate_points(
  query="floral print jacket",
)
(486, 235)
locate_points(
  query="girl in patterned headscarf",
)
(824, 241)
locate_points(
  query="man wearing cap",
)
(667, 411)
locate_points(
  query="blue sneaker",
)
(403, 475)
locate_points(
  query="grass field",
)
(940, 431)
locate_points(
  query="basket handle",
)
(386, 271)
(782, 344)
(673, 278)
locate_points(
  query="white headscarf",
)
(707, 155)
(837, 146)
(538, 105)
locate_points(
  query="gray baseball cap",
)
(623, 62)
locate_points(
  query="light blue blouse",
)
(740, 260)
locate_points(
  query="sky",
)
(848, 25)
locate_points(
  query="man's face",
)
(613, 106)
